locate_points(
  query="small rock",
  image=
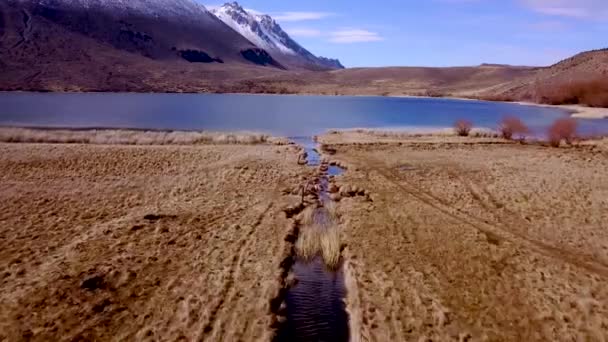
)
(336, 197)
(333, 188)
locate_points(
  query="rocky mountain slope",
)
(38, 38)
(266, 33)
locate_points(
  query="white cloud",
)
(300, 16)
(303, 32)
(347, 36)
(582, 9)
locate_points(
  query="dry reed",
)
(320, 236)
(330, 247)
(130, 137)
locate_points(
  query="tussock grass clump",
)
(512, 126)
(307, 216)
(562, 130)
(128, 137)
(309, 242)
(332, 210)
(463, 127)
(320, 235)
(330, 247)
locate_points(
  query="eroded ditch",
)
(312, 306)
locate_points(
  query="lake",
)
(284, 115)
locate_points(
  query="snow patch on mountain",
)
(263, 31)
(258, 28)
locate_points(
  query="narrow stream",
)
(315, 305)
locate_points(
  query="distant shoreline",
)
(576, 111)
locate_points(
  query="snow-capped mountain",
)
(266, 33)
(156, 29)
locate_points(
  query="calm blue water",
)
(279, 115)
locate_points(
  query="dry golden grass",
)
(477, 132)
(108, 234)
(320, 238)
(332, 210)
(307, 216)
(330, 246)
(309, 242)
(473, 238)
(131, 137)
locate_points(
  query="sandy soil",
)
(474, 240)
(578, 111)
(141, 242)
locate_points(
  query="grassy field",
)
(106, 242)
(440, 236)
(474, 238)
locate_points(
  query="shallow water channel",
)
(316, 310)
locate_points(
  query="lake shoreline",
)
(286, 116)
(576, 111)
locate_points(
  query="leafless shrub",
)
(562, 130)
(463, 127)
(511, 126)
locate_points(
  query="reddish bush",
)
(562, 129)
(592, 93)
(463, 127)
(511, 126)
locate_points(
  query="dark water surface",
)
(316, 310)
(278, 115)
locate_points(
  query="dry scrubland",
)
(443, 237)
(104, 242)
(474, 238)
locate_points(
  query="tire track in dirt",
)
(227, 291)
(478, 223)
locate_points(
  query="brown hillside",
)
(421, 81)
(581, 79)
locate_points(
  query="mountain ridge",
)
(263, 31)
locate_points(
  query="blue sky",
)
(441, 32)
